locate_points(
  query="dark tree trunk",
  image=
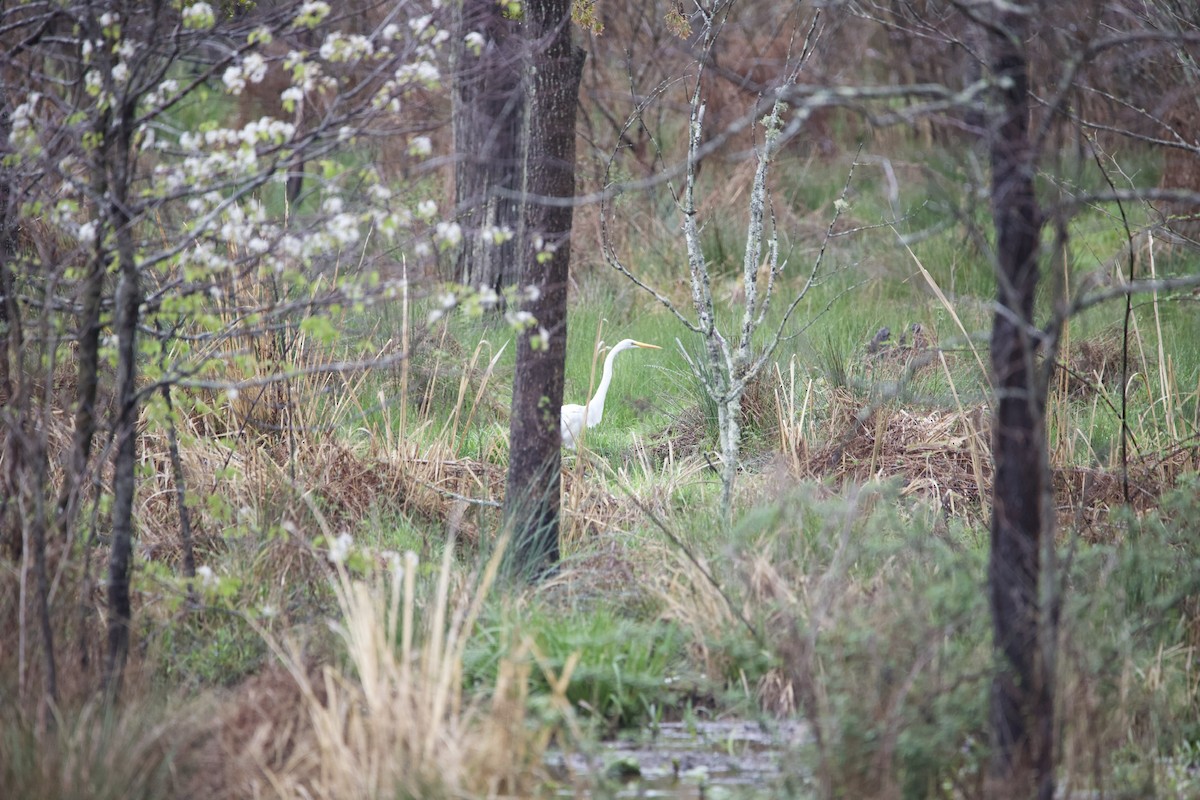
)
(37, 539)
(1022, 707)
(185, 519)
(531, 504)
(8, 251)
(10, 341)
(87, 382)
(128, 301)
(489, 106)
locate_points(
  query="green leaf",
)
(320, 328)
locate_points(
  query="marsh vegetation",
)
(326, 415)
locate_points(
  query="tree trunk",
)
(128, 301)
(8, 252)
(177, 474)
(1022, 703)
(10, 335)
(37, 539)
(489, 106)
(86, 387)
(531, 504)
(729, 415)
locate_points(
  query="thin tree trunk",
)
(42, 578)
(10, 335)
(128, 300)
(8, 252)
(531, 505)
(729, 421)
(86, 388)
(185, 520)
(489, 105)
(121, 554)
(1022, 699)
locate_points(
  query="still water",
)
(711, 760)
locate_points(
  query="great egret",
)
(573, 414)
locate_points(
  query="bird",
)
(573, 414)
(877, 343)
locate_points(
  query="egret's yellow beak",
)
(643, 344)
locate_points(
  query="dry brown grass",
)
(395, 720)
(1092, 363)
(942, 455)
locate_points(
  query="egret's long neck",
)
(595, 409)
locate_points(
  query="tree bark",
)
(531, 504)
(8, 251)
(128, 302)
(10, 332)
(88, 377)
(489, 109)
(1022, 703)
(177, 474)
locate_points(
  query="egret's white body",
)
(573, 414)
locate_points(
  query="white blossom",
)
(342, 47)
(93, 82)
(311, 14)
(291, 95)
(379, 193)
(496, 234)
(449, 233)
(87, 232)
(254, 67)
(474, 42)
(199, 15)
(421, 72)
(290, 246)
(426, 209)
(488, 297)
(420, 146)
(329, 48)
(234, 81)
(343, 228)
(22, 113)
